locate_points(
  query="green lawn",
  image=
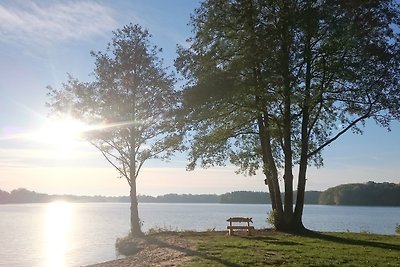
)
(269, 248)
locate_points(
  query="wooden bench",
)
(240, 221)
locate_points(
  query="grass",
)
(269, 248)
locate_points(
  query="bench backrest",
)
(239, 219)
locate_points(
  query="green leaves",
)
(273, 83)
(130, 103)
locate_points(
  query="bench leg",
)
(249, 232)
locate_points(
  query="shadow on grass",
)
(285, 243)
(272, 240)
(350, 241)
(190, 252)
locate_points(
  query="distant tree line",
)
(368, 194)
(248, 197)
(184, 198)
(22, 195)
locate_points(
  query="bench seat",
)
(240, 227)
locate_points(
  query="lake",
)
(75, 234)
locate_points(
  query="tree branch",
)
(353, 123)
(106, 156)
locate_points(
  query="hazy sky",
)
(42, 41)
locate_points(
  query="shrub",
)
(271, 218)
(128, 245)
(398, 229)
(157, 230)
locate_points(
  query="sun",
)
(65, 137)
(61, 131)
(62, 134)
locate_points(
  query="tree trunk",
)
(287, 116)
(301, 186)
(270, 169)
(135, 221)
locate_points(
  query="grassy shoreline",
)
(270, 248)
(264, 248)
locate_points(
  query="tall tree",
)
(273, 83)
(129, 105)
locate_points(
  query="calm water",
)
(63, 234)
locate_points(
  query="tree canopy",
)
(273, 83)
(128, 106)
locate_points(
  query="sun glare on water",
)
(58, 228)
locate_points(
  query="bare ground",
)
(170, 249)
(166, 249)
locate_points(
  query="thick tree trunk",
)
(291, 225)
(301, 186)
(291, 221)
(287, 116)
(270, 169)
(135, 220)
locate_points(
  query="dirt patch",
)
(165, 249)
(173, 248)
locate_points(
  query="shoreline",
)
(159, 249)
(212, 248)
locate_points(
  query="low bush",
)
(271, 218)
(128, 245)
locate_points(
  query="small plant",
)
(128, 245)
(271, 219)
(155, 230)
(158, 229)
(398, 229)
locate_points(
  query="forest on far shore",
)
(357, 194)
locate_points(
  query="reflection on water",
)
(58, 228)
